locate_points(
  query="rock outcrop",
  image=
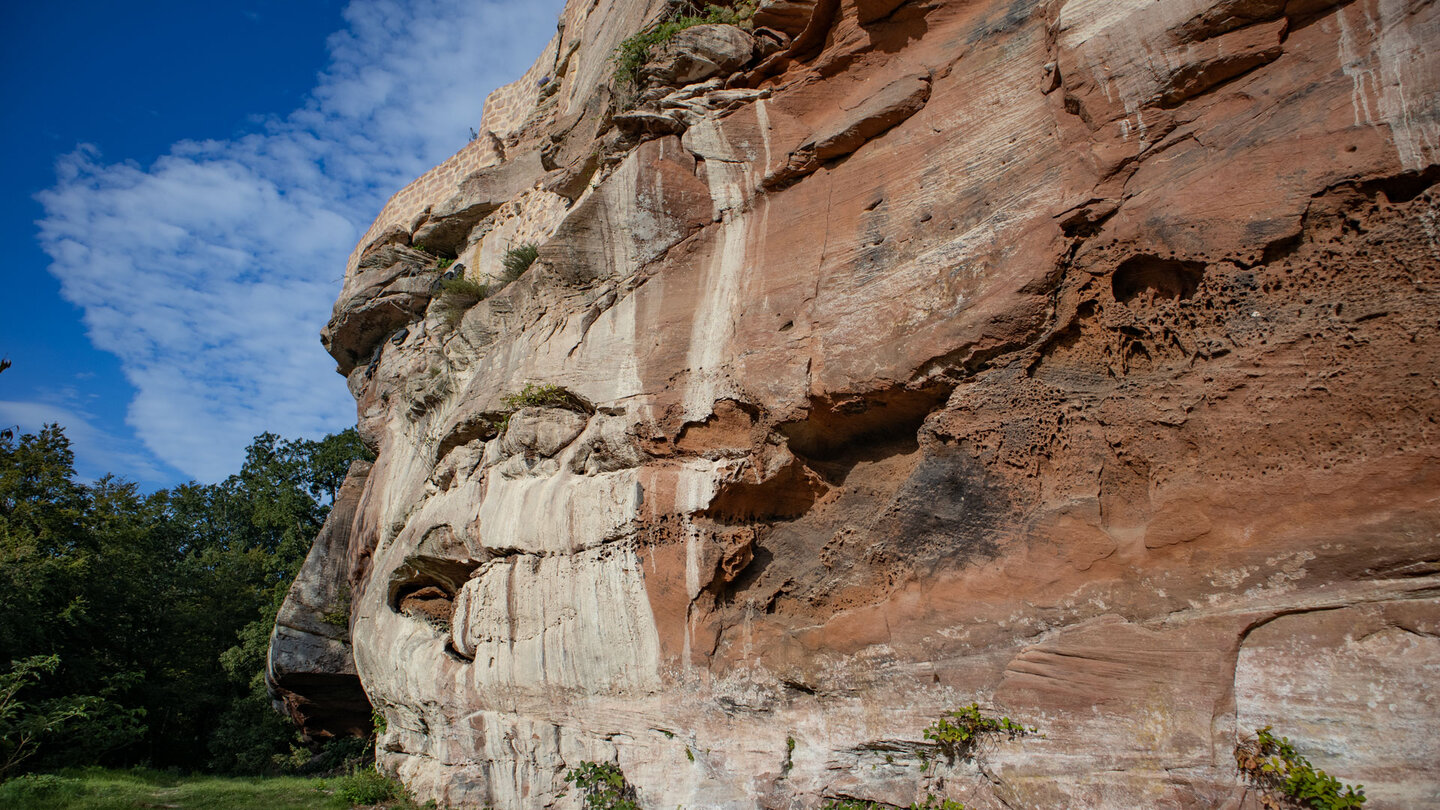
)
(310, 670)
(1077, 358)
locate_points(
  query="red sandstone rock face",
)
(1077, 358)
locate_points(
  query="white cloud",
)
(97, 452)
(210, 272)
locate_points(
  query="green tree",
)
(154, 609)
(22, 725)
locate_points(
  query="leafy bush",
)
(368, 786)
(957, 732)
(444, 263)
(38, 790)
(22, 725)
(335, 757)
(637, 49)
(1287, 779)
(603, 786)
(517, 260)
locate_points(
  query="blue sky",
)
(183, 182)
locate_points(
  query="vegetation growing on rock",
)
(517, 260)
(542, 396)
(637, 49)
(957, 732)
(1286, 778)
(603, 786)
(457, 296)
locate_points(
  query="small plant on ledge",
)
(1286, 779)
(542, 396)
(603, 786)
(957, 732)
(637, 49)
(534, 396)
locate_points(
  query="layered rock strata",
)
(310, 670)
(1077, 358)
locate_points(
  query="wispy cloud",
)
(97, 451)
(210, 272)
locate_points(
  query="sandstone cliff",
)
(1077, 358)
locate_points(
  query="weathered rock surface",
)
(1075, 357)
(391, 287)
(698, 53)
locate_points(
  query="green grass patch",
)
(97, 789)
(457, 295)
(535, 396)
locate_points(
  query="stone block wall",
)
(506, 109)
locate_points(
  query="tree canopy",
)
(133, 627)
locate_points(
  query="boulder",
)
(698, 53)
(541, 431)
(391, 288)
(789, 16)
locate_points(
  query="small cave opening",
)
(428, 603)
(838, 425)
(784, 496)
(1153, 277)
(325, 705)
(424, 586)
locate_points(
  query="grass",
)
(97, 789)
(542, 396)
(457, 295)
(536, 396)
(517, 260)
